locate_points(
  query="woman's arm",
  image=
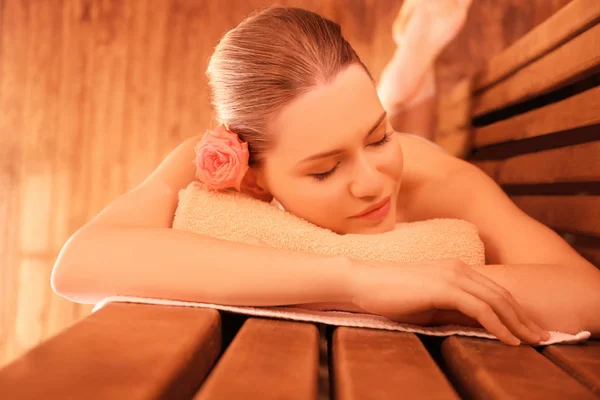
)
(558, 287)
(130, 249)
(554, 296)
(173, 264)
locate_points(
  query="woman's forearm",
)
(556, 297)
(173, 264)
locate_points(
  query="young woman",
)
(304, 124)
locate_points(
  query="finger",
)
(501, 306)
(521, 314)
(471, 306)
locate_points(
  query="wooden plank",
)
(576, 214)
(577, 163)
(565, 24)
(132, 351)
(268, 359)
(560, 67)
(581, 361)
(375, 364)
(580, 110)
(487, 369)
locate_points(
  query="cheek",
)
(394, 159)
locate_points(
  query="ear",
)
(254, 185)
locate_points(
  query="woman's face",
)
(336, 156)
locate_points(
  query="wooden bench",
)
(531, 120)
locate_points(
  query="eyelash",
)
(325, 175)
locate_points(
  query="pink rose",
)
(221, 159)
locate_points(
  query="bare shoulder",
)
(426, 169)
(424, 162)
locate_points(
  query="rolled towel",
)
(235, 217)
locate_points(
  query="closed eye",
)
(325, 175)
(383, 141)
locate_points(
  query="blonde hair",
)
(266, 61)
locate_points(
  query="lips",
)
(373, 207)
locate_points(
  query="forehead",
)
(328, 114)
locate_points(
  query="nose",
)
(367, 181)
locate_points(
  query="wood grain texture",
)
(576, 163)
(454, 131)
(486, 369)
(132, 351)
(578, 57)
(562, 26)
(580, 110)
(581, 362)
(268, 359)
(375, 364)
(575, 214)
(15, 24)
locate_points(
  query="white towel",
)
(340, 318)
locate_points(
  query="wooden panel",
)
(12, 92)
(581, 361)
(375, 364)
(268, 359)
(565, 24)
(132, 351)
(561, 66)
(453, 131)
(580, 110)
(577, 214)
(577, 163)
(487, 369)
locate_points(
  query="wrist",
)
(354, 280)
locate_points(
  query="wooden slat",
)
(577, 163)
(486, 369)
(268, 359)
(123, 351)
(560, 67)
(581, 361)
(577, 214)
(375, 364)
(580, 110)
(566, 23)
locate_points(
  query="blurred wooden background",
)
(94, 93)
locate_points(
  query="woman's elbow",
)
(65, 279)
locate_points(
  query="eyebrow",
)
(337, 151)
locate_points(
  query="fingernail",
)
(516, 342)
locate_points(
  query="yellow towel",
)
(234, 216)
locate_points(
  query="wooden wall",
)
(94, 93)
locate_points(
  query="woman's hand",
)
(415, 291)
